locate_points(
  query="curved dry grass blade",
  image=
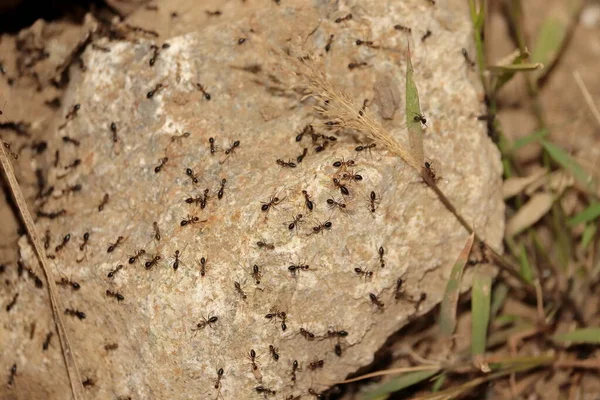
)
(393, 371)
(73, 372)
(515, 185)
(399, 383)
(530, 213)
(480, 309)
(413, 113)
(447, 320)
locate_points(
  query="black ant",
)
(235, 145)
(313, 365)
(430, 170)
(13, 373)
(191, 219)
(297, 221)
(252, 357)
(345, 164)
(313, 392)
(299, 267)
(190, 172)
(341, 19)
(73, 113)
(373, 201)
(88, 382)
(151, 93)
(151, 263)
(162, 162)
(64, 242)
(201, 200)
(268, 246)
(112, 247)
(351, 176)
(425, 36)
(221, 190)
(343, 189)
(307, 129)
(104, 202)
(421, 118)
(352, 66)
(322, 226)
(210, 321)
(68, 139)
(46, 343)
(241, 40)
(204, 92)
(360, 42)
(338, 334)
(68, 282)
(215, 13)
(256, 274)
(74, 164)
(284, 164)
(180, 137)
(12, 303)
(399, 291)
(295, 367)
(51, 215)
(47, 240)
(114, 271)
(402, 28)
(177, 260)
(111, 346)
(381, 259)
(75, 313)
(375, 300)
(273, 201)
(202, 266)
(265, 390)
(365, 147)
(220, 373)
(307, 334)
(137, 255)
(113, 129)
(238, 288)
(364, 272)
(278, 314)
(211, 142)
(274, 352)
(156, 231)
(116, 295)
(328, 45)
(307, 201)
(332, 203)
(301, 156)
(470, 62)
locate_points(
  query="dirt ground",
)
(31, 85)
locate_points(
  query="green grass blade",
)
(399, 383)
(531, 138)
(584, 335)
(413, 108)
(588, 235)
(565, 161)
(498, 297)
(549, 41)
(526, 271)
(438, 383)
(480, 309)
(587, 215)
(447, 320)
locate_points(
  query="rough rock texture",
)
(162, 353)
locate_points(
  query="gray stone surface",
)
(159, 355)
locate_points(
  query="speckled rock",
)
(176, 327)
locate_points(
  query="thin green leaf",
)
(498, 298)
(449, 302)
(526, 271)
(587, 215)
(588, 235)
(413, 114)
(549, 42)
(533, 137)
(399, 383)
(583, 335)
(506, 71)
(480, 308)
(565, 161)
(438, 383)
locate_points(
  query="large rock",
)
(162, 353)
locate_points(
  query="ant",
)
(215, 13)
(51, 215)
(316, 364)
(75, 313)
(301, 156)
(190, 172)
(360, 42)
(341, 19)
(116, 295)
(219, 377)
(46, 343)
(343, 189)
(74, 164)
(241, 41)
(235, 145)
(111, 346)
(273, 201)
(351, 176)
(364, 272)
(265, 390)
(180, 137)
(399, 291)
(202, 266)
(151, 93)
(381, 259)
(274, 352)
(338, 334)
(12, 303)
(328, 45)
(313, 392)
(112, 247)
(352, 66)
(307, 201)
(425, 36)
(265, 245)
(279, 314)
(373, 201)
(365, 147)
(470, 62)
(343, 164)
(204, 92)
(252, 357)
(205, 322)
(73, 113)
(322, 226)
(307, 129)
(307, 334)
(137, 255)
(430, 170)
(211, 142)
(47, 240)
(176, 262)
(156, 231)
(151, 263)
(113, 129)
(191, 220)
(238, 288)
(299, 267)
(199, 199)
(297, 221)
(402, 28)
(67, 282)
(114, 271)
(89, 382)
(375, 300)
(104, 202)
(68, 139)
(332, 203)
(284, 164)
(221, 190)
(421, 118)
(295, 367)
(63, 243)
(162, 162)
(256, 274)
(13, 372)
